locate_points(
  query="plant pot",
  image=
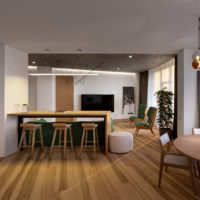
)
(166, 130)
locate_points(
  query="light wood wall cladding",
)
(64, 95)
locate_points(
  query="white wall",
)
(46, 94)
(102, 84)
(32, 92)
(15, 91)
(41, 94)
(107, 84)
(2, 135)
(180, 94)
(187, 93)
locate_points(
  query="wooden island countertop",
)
(66, 113)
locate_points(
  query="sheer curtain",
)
(160, 77)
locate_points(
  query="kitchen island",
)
(106, 115)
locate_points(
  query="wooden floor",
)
(118, 176)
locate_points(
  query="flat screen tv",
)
(97, 102)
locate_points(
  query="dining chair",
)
(142, 112)
(175, 160)
(196, 131)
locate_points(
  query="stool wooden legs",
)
(21, 140)
(82, 140)
(31, 141)
(70, 136)
(85, 141)
(65, 141)
(30, 137)
(52, 144)
(97, 138)
(60, 138)
(94, 140)
(41, 139)
(86, 138)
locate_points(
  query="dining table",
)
(189, 146)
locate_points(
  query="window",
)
(160, 77)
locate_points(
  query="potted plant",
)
(165, 111)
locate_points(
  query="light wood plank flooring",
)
(118, 176)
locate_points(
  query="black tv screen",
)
(97, 102)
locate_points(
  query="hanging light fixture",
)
(196, 56)
(196, 60)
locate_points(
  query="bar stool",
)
(32, 130)
(61, 127)
(86, 128)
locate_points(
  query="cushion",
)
(132, 118)
(120, 142)
(176, 160)
(41, 120)
(141, 111)
(89, 125)
(142, 124)
(150, 114)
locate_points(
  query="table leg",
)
(191, 175)
(198, 167)
(107, 120)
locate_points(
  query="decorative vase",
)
(24, 107)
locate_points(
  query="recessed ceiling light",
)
(33, 62)
(130, 56)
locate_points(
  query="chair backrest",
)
(142, 111)
(151, 114)
(164, 140)
(196, 131)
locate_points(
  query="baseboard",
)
(121, 120)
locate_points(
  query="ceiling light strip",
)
(32, 67)
(90, 71)
(49, 74)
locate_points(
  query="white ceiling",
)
(100, 26)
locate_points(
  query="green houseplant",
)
(164, 99)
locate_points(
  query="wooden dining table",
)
(189, 146)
